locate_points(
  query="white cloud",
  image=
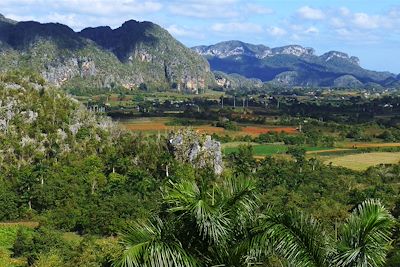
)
(214, 2)
(337, 22)
(344, 17)
(18, 17)
(343, 32)
(276, 31)
(69, 19)
(311, 30)
(87, 7)
(237, 27)
(223, 9)
(363, 20)
(178, 31)
(258, 9)
(295, 37)
(203, 9)
(310, 13)
(344, 24)
(7, 3)
(107, 7)
(344, 11)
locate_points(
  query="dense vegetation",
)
(98, 60)
(95, 195)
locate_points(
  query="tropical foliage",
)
(217, 223)
(88, 193)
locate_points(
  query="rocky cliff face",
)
(332, 55)
(199, 150)
(135, 53)
(237, 48)
(235, 81)
(61, 71)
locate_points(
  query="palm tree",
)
(363, 240)
(366, 236)
(201, 225)
(296, 238)
(216, 223)
(151, 244)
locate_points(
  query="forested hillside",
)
(101, 59)
(96, 195)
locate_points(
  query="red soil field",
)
(159, 125)
(154, 126)
(210, 129)
(261, 130)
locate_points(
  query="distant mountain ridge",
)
(144, 55)
(135, 53)
(292, 65)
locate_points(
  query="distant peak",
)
(105, 29)
(231, 42)
(295, 50)
(336, 53)
(134, 23)
(100, 27)
(340, 55)
(130, 22)
(238, 48)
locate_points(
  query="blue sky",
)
(369, 29)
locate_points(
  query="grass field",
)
(366, 145)
(360, 162)
(267, 149)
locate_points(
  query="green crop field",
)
(268, 149)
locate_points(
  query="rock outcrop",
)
(199, 150)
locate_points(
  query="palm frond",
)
(240, 193)
(297, 238)
(148, 245)
(185, 198)
(239, 198)
(365, 238)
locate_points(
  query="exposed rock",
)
(87, 67)
(58, 73)
(294, 50)
(339, 55)
(135, 53)
(197, 149)
(235, 81)
(237, 48)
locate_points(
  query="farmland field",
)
(268, 149)
(155, 125)
(363, 161)
(371, 145)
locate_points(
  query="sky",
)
(368, 29)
